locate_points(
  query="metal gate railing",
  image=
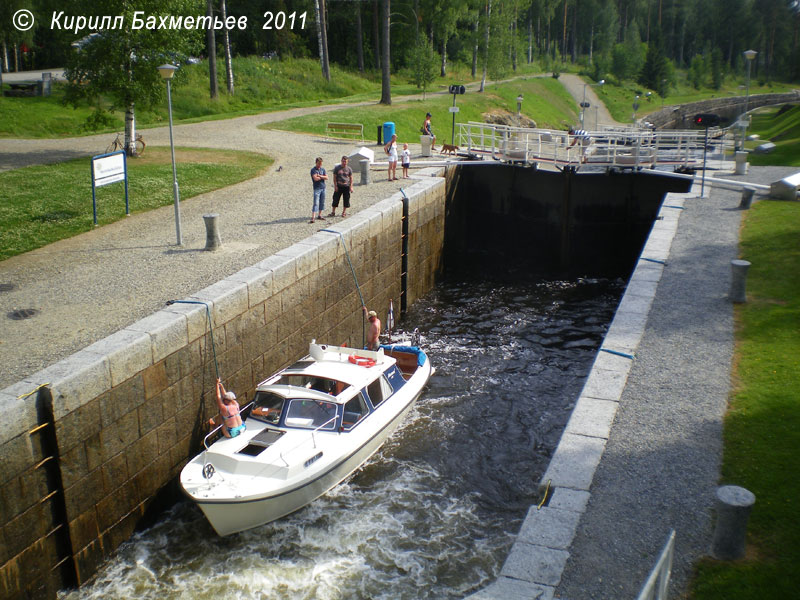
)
(655, 588)
(609, 147)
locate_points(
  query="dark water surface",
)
(432, 515)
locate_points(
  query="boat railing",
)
(304, 442)
(218, 427)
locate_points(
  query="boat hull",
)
(233, 516)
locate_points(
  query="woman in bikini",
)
(229, 411)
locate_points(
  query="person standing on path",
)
(391, 149)
(427, 129)
(318, 177)
(343, 186)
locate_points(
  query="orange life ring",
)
(361, 361)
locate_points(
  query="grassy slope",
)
(545, 100)
(783, 129)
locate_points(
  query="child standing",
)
(406, 160)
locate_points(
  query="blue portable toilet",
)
(388, 132)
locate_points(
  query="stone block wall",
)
(89, 441)
(682, 116)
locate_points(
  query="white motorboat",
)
(308, 428)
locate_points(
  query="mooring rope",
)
(353, 271)
(210, 326)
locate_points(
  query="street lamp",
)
(167, 71)
(635, 108)
(583, 104)
(749, 55)
(519, 105)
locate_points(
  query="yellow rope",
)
(546, 491)
(32, 392)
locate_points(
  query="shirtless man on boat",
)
(374, 329)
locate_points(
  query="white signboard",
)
(454, 109)
(108, 169)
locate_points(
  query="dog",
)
(448, 149)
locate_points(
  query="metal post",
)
(703, 181)
(739, 281)
(453, 134)
(175, 190)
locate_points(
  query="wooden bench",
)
(339, 129)
(20, 90)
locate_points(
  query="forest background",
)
(636, 40)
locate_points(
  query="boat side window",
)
(379, 390)
(310, 414)
(267, 407)
(395, 377)
(355, 410)
(320, 384)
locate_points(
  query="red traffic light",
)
(706, 120)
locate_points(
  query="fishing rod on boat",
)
(358, 287)
(210, 328)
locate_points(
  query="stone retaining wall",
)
(89, 441)
(682, 116)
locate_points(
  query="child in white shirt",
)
(406, 160)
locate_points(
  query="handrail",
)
(313, 440)
(613, 147)
(660, 574)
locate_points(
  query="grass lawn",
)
(44, 204)
(762, 427)
(780, 126)
(545, 101)
(260, 86)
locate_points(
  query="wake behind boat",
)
(308, 428)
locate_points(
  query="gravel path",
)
(597, 114)
(660, 468)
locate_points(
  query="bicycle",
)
(119, 144)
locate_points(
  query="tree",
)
(122, 64)
(211, 48)
(227, 45)
(322, 38)
(654, 70)
(422, 61)
(386, 72)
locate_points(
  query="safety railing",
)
(610, 147)
(657, 584)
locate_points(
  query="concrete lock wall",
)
(88, 442)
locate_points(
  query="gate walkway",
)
(608, 147)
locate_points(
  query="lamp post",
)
(583, 104)
(519, 105)
(167, 71)
(635, 108)
(749, 56)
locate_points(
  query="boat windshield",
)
(310, 382)
(311, 414)
(267, 407)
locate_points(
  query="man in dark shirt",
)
(343, 180)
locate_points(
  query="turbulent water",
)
(433, 515)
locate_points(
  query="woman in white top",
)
(391, 149)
